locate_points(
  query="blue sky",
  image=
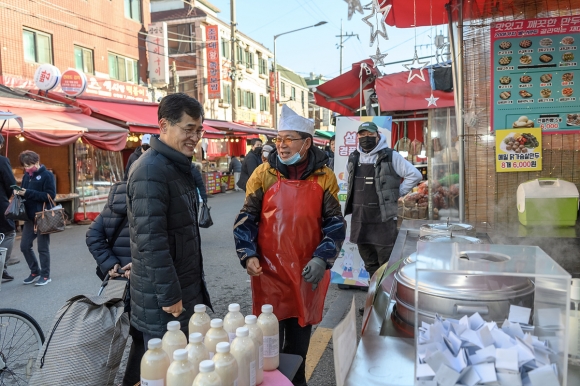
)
(314, 49)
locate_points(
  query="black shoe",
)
(6, 276)
(31, 279)
(361, 311)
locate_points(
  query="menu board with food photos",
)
(535, 74)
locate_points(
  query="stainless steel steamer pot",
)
(461, 239)
(447, 228)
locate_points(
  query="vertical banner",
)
(518, 150)
(158, 59)
(349, 268)
(212, 53)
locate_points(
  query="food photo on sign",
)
(519, 149)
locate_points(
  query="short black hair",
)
(254, 140)
(28, 157)
(304, 135)
(332, 138)
(173, 106)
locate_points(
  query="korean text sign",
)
(213, 62)
(157, 50)
(518, 150)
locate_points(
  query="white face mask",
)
(294, 159)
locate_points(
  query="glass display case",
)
(96, 170)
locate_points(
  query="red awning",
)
(238, 127)
(341, 94)
(51, 125)
(420, 13)
(395, 94)
(138, 117)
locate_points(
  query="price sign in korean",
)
(213, 62)
(535, 67)
(518, 150)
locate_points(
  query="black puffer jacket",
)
(165, 240)
(38, 187)
(104, 227)
(6, 180)
(132, 158)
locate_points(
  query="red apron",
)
(290, 230)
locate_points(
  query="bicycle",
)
(21, 340)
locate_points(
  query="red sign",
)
(73, 83)
(115, 89)
(213, 62)
(273, 87)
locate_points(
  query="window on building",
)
(240, 55)
(37, 46)
(133, 9)
(180, 39)
(239, 97)
(123, 69)
(263, 66)
(282, 89)
(263, 103)
(84, 60)
(249, 59)
(227, 93)
(293, 93)
(252, 101)
(302, 98)
(226, 52)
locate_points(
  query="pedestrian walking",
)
(236, 169)
(266, 151)
(38, 188)
(108, 241)
(7, 227)
(167, 278)
(137, 153)
(251, 162)
(374, 186)
(289, 233)
(330, 153)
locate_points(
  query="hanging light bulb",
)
(232, 140)
(237, 140)
(20, 138)
(140, 137)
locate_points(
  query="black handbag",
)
(16, 209)
(205, 220)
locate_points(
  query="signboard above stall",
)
(535, 67)
(73, 83)
(46, 77)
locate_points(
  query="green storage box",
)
(547, 201)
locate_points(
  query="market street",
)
(73, 272)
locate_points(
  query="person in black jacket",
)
(37, 186)
(236, 170)
(251, 162)
(6, 225)
(137, 153)
(167, 278)
(109, 242)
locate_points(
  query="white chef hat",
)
(146, 139)
(289, 120)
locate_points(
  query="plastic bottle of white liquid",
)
(207, 375)
(200, 321)
(215, 335)
(180, 372)
(258, 338)
(574, 325)
(196, 351)
(226, 365)
(268, 322)
(233, 320)
(244, 350)
(174, 339)
(154, 364)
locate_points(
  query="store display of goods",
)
(505, 60)
(505, 45)
(567, 77)
(520, 143)
(446, 229)
(233, 320)
(546, 78)
(154, 364)
(226, 365)
(180, 372)
(568, 91)
(546, 42)
(526, 43)
(244, 350)
(505, 80)
(214, 335)
(525, 59)
(545, 92)
(207, 375)
(525, 94)
(199, 321)
(196, 351)
(505, 95)
(268, 322)
(573, 120)
(567, 57)
(446, 190)
(258, 338)
(525, 79)
(523, 121)
(546, 58)
(568, 40)
(173, 339)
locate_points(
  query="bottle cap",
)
(222, 347)
(199, 308)
(195, 337)
(173, 326)
(216, 323)
(154, 343)
(234, 307)
(242, 331)
(180, 355)
(251, 319)
(267, 308)
(206, 366)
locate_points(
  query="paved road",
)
(73, 272)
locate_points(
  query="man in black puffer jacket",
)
(167, 278)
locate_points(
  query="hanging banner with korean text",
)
(158, 59)
(534, 72)
(518, 150)
(349, 268)
(213, 62)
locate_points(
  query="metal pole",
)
(275, 87)
(459, 114)
(233, 70)
(340, 46)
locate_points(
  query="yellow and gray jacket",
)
(333, 223)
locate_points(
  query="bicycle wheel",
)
(21, 340)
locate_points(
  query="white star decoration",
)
(353, 6)
(432, 100)
(410, 68)
(378, 58)
(382, 21)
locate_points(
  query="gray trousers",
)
(8, 243)
(43, 241)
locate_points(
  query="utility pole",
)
(339, 46)
(175, 77)
(233, 69)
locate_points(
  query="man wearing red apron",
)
(289, 233)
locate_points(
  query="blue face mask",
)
(292, 160)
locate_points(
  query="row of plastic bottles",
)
(214, 356)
